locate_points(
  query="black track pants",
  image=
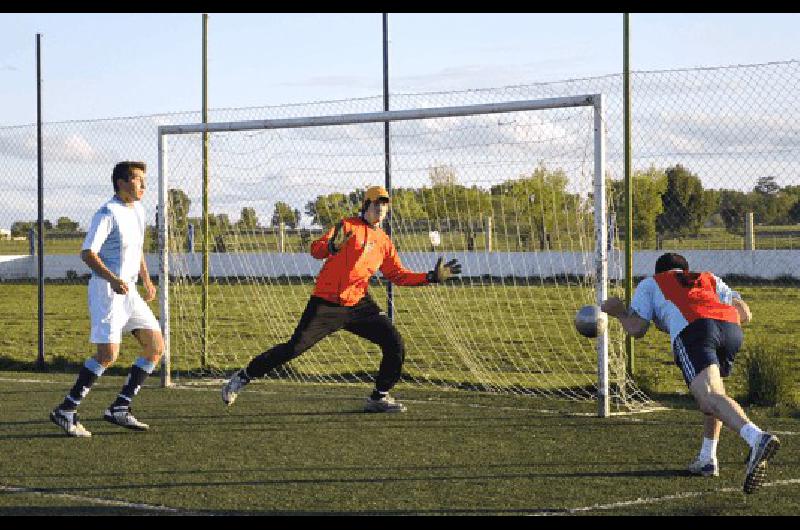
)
(321, 318)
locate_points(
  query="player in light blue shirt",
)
(113, 251)
(703, 317)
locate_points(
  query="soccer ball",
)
(590, 321)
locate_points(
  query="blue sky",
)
(111, 65)
(100, 66)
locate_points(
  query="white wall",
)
(764, 264)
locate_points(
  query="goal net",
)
(515, 191)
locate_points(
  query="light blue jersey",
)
(651, 303)
(116, 235)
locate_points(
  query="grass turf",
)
(287, 448)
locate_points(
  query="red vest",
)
(695, 295)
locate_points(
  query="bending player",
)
(702, 316)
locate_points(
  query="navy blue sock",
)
(139, 372)
(87, 376)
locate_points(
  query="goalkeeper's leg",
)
(376, 327)
(320, 319)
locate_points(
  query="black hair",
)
(124, 171)
(670, 261)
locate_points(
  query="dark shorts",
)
(705, 342)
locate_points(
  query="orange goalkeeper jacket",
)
(344, 277)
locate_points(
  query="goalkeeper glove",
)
(442, 272)
(338, 239)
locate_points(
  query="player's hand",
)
(745, 315)
(119, 286)
(613, 306)
(149, 290)
(339, 238)
(442, 272)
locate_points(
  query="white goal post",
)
(175, 265)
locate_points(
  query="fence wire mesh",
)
(716, 176)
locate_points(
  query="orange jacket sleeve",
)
(394, 271)
(319, 248)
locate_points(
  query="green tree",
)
(454, 202)
(773, 204)
(284, 213)
(326, 210)
(772, 209)
(538, 206)
(247, 218)
(178, 204)
(733, 205)
(21, 228)
(647, 188)
(407, 206)
(685, 203)
(794, 212)
(66, 224)
(222, 222)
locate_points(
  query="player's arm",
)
(149, 288)
(331, 241)
(741, 306)
(94, 262)
(731, 297)
(394, 271)
(632, 323)
(99, 230)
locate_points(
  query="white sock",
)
(709, 449)
(751, 434)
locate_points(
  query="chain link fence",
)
(716, 176)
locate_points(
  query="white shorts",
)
(113, 314)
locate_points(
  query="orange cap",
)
(376, 192)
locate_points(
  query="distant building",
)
(5, 233)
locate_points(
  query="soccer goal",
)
(515, 190)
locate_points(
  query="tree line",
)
(670, 202)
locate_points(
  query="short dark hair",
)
(124, 171)
(670, 261)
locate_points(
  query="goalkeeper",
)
(353, 251)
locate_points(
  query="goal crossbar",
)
(392, 115)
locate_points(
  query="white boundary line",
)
(653, 500)
(96, 500)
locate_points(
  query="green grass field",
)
(307, 449)
(289, 448)
(246, 325)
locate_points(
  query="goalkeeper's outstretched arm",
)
(443, 271)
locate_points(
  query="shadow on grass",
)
(76, 511)
(172, 473)
(363, 481)
(111, 510)
(95, 434)
(56, 365)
